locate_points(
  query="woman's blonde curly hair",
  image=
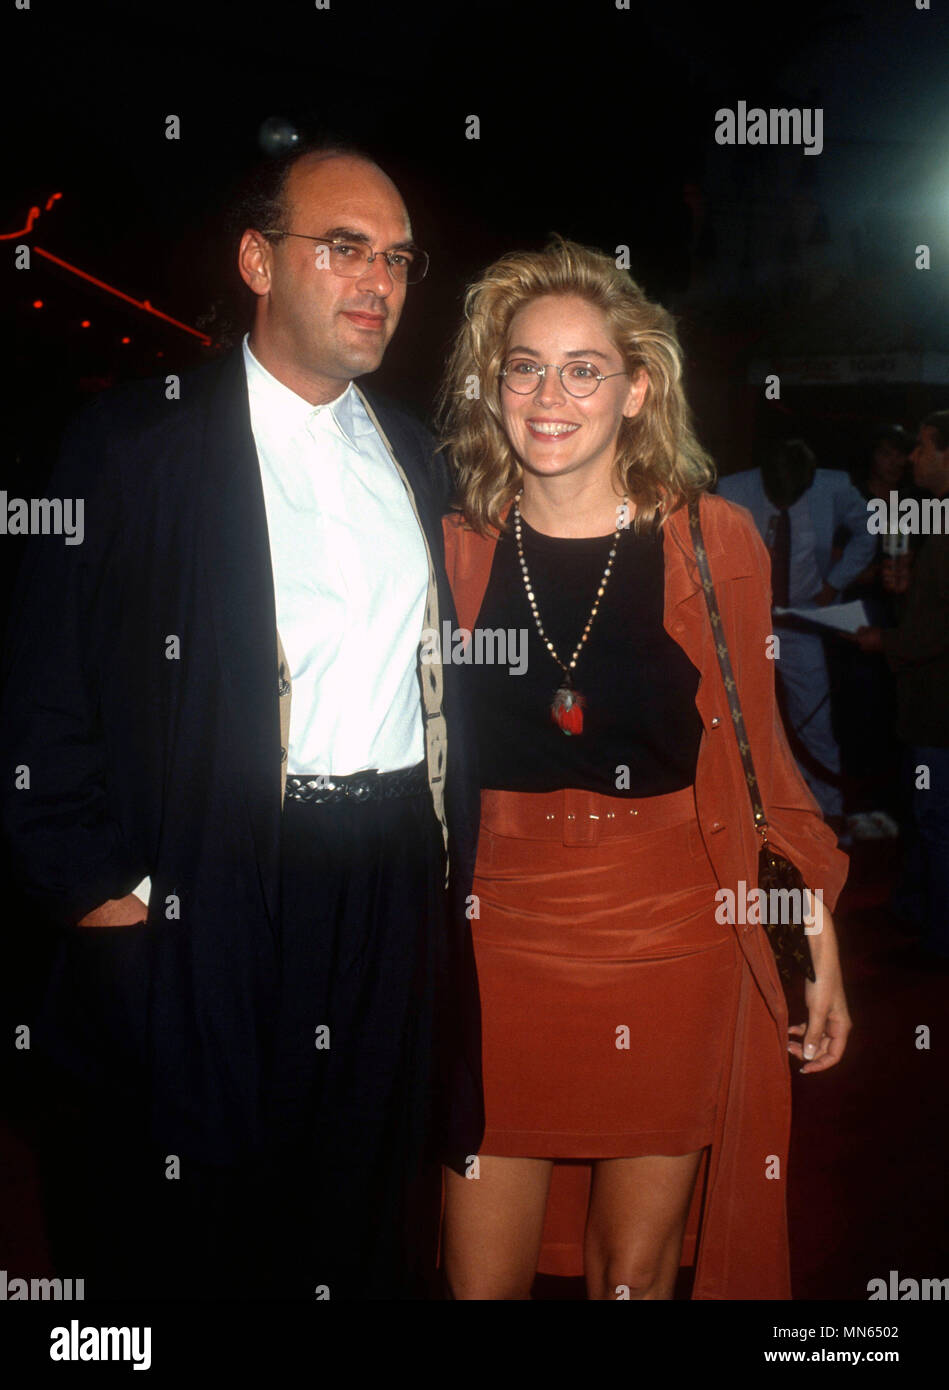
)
(659, 462)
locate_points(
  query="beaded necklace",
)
(568, 704)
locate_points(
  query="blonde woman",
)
(635, 1040)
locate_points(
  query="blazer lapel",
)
(240, 583)
(432, 675)
(404, 448)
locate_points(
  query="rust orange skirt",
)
(608, 989)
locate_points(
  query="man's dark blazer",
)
(140, 691)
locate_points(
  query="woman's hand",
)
(824, 1036)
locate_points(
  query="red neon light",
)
(31, 217)
(142, 304)
(85, 324)
(37, 303)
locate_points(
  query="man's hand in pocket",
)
(117, 912)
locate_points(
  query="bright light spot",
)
(37, 303)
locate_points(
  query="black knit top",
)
(638, 683)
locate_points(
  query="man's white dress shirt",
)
(350, 577)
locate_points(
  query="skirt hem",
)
(530, 1144)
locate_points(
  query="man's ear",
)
(254, 260)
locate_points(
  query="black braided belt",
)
(358, 786)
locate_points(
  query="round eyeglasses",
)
(407, 265)
(577, 378)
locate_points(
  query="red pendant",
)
(567, 710)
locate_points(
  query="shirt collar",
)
(290, 413)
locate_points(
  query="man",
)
(917, 651)
(219, 706)
(798, 507)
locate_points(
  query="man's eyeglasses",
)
(577, 378)
(408, 265)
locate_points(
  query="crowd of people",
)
(866, 705)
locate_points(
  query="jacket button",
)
(715, 722)
(716, 825)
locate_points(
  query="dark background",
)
(597, 123)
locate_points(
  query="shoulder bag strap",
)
(724, 661)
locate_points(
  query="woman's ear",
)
(637, 394)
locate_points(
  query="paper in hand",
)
(843, 617)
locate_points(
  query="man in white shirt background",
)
(798, 508)
(244, 802)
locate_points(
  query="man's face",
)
(788, 478)
(311, 322)
(929, 461)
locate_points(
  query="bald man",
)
(247, 811)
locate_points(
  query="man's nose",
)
(377, 277)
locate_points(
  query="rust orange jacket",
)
(737, 1229)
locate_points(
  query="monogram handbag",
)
(788, 941)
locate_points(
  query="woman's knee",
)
(637, 1274)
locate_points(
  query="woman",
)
(628, 1031)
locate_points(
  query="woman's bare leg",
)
(493, 1227)
(636, 1223)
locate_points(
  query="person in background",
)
(886, 469)
(917, 652)
(864, 685)
(885, 466)
(798, 508)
